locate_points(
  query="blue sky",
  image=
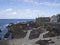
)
(28, 9)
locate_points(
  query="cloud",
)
(14, 13)
(0, 12)
(28, 13)
(47, 3)
(44, 3)
(36, 2)
(21, 14)
(28, 0)
(9, 9)
(50, 4)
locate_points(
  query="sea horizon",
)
(8, 21)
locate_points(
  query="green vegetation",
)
(38, 22)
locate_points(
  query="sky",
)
(28, 9)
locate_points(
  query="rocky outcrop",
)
(50, 34)
(44, 42)
(20, 34)
(53, 28)
(34, 34)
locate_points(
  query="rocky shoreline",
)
(34, 32)
(37, 41)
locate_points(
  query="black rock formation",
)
(45, 42)
(34, 34)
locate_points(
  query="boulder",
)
(34, 34)
(44, 42)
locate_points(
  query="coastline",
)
(32, 42)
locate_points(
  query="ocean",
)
(4, 22)
(7, 21)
